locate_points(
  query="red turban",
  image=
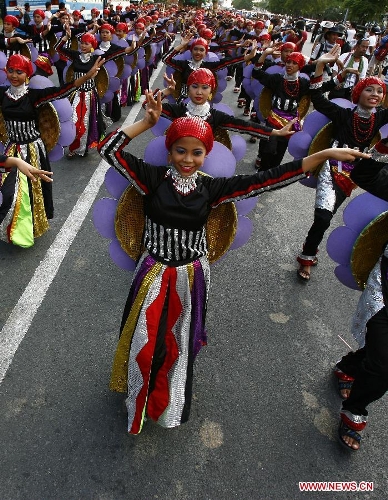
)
(76, 13)
(122, 27)
(43, 63)
(39, 12)
(89, 38)
(365, 82)
(22, 63)
(199, 41)
(288, 46)
(207, 33)
(107, 27)
(297, 57)
(190, 126)
(12, 20)
(202, 75)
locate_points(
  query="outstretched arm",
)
(341, 154)
(31, 172)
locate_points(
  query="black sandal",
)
(344, 430)
(343, 381)
(302, 274)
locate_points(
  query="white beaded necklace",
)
(184, 185)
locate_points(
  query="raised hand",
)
(96, 67)
(171, 84)
(153, 108)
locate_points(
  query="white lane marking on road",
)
(22, 315)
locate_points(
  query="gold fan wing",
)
(49, 126)
(367, 248)
(265, 102)
(25, 51)
(3, 130)
(102, 81)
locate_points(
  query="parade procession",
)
(193, 230)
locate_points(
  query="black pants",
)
(322, 220)
(368, 366)
(272, 152)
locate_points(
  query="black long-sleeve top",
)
(281, 98)
(220, 119)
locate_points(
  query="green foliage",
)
(243, 4)
(366, 10)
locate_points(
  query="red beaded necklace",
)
(360, 132)
(291, 87)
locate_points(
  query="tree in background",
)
(243, 4)
(366, 10)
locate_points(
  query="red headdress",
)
(89, 38)
(39, 12)
(12, 20)
(207, 33)
(297, 57)
(140, 26)
(76, 13)
(266, 36)
(259, 25)
(106, 12)
(365, 82)
(190, 126)
(122, 27)
(107, 27)
(43, 63)
(17, 61)
(199, 41)
(288, 46)
(202, 75)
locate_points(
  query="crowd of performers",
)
(163, 326)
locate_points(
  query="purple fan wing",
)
(239, 147)
(104, 212)
(115, 183)
(243, 233)
(340, 244)
(362, 210)
(345, 276)
(156, 152)
(121, 258)
(220, 162)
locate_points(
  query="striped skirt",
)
(162, 331)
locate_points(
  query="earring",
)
(210, 97)
(27, 80)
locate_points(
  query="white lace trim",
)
(85, 58)
(194, 64)
(201, 110)
(16, 93)
(292, 77)
(364, 112)
(104, 46)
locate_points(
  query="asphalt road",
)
(265, 412)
